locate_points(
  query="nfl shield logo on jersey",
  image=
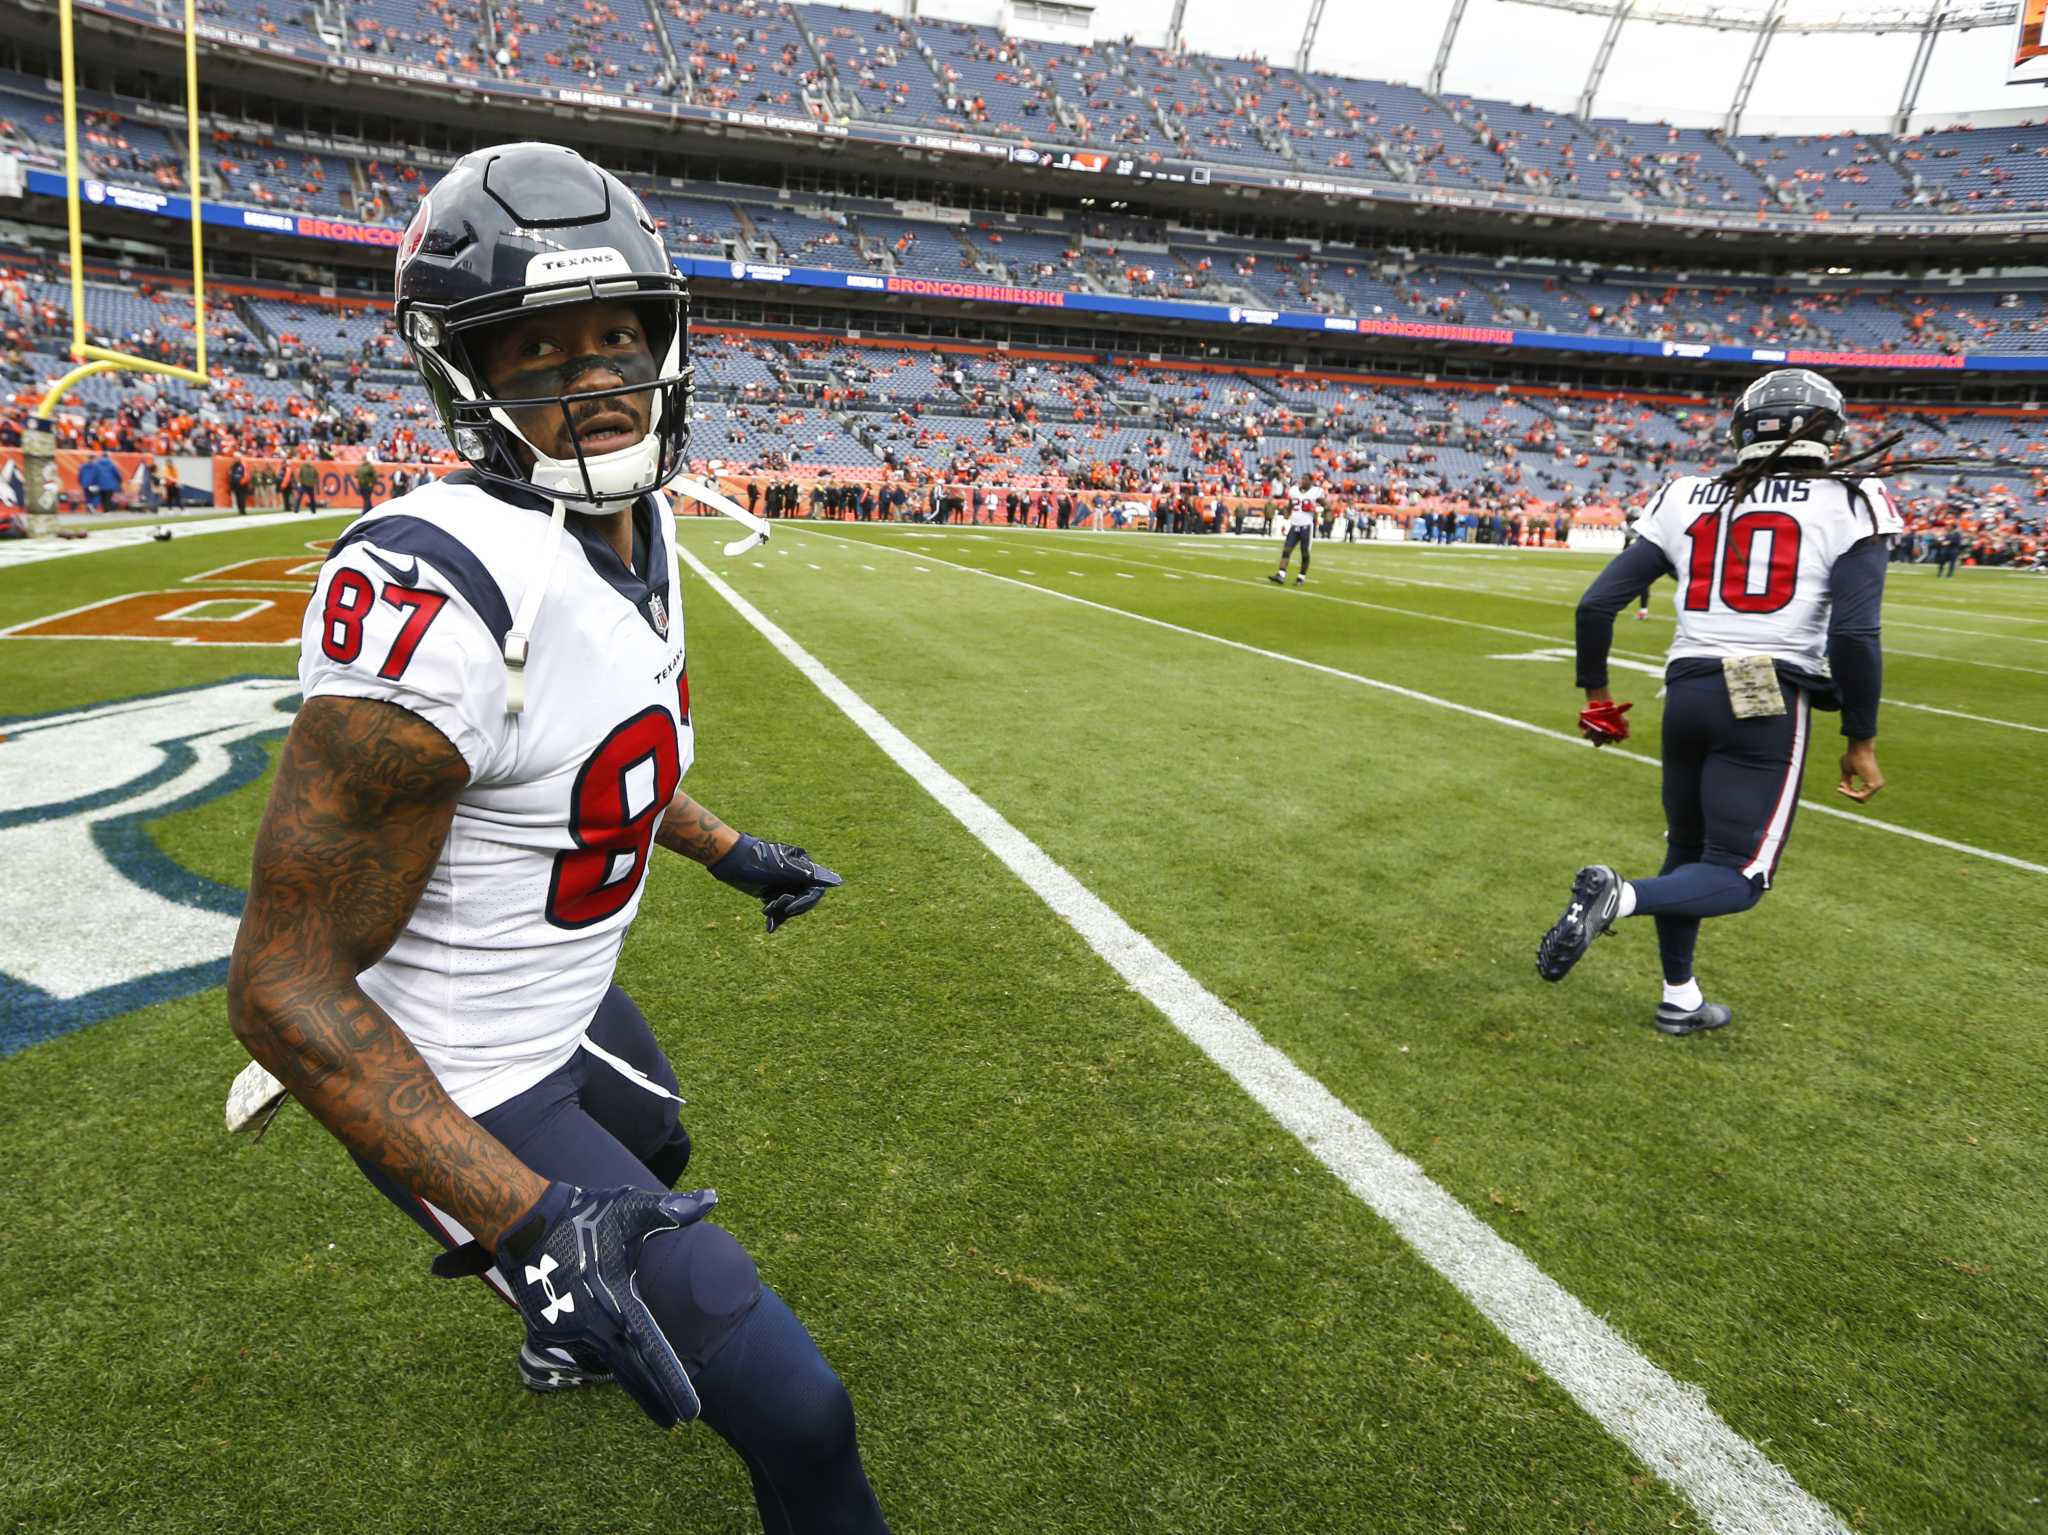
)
(657, 610)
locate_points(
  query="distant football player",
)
(495, 730)
(1303, 498)
(1780, 565)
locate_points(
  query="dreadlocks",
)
(1741, 480)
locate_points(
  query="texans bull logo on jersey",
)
(99, 921)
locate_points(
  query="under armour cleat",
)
(1277, 579)
(553, 1369)
(1692, 1020)
(1596, 897)
(1301, 580)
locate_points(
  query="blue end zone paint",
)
(128, 846)
(28, 1014)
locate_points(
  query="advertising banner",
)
(2028, 62)
(120, 484)
(1179, 311)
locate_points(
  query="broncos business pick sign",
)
(98, 920)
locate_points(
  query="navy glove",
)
(571, 1266)
(780, 877)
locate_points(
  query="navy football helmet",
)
(1781, 406)
(520, 226)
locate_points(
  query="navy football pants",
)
(1296, 538)
(1731, 788)
(610, 1117)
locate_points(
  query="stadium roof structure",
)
(1926, 21)
(1818, 196)
(1766, 22)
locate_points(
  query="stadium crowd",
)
(297, 380)
(827, 64)
(755, 54)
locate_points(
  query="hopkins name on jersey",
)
(1756, 582)
(514, 940)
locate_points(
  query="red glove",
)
(1604, 722)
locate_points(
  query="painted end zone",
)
(177, 618)
(237, 604)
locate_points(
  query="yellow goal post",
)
(39, 441)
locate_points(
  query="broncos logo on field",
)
(98, 921)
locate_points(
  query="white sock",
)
(1627, 908)
(1686, 997)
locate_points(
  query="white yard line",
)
(1570, 580)
(1815, 806)
(1667, 1424)
(1472, 589)
(1247, 576)
(1565, 654)
(1962, 634)
(30, 551)
(1958, 714)
(1620, 656)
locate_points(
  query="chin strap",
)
(709, 495)
(517, 637)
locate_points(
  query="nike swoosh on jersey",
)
(409, 576)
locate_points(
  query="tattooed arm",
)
(364, 797)
(781, 876)
(688, 828)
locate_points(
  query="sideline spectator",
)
(99, 482)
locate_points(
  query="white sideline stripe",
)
(1243, 577)
(1532, 634)
(1475, 590)
(1958, 714)
(1972, 634)
(1666, 1423)
(31, 551)
(1446, 703)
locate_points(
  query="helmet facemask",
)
(483, 427)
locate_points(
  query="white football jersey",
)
(1759, 583)
(515, 938)
(1301, 505)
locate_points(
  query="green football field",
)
(1129, 1243)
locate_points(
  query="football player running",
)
(495, 728)
(1780, 565)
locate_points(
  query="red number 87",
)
(350, 601)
